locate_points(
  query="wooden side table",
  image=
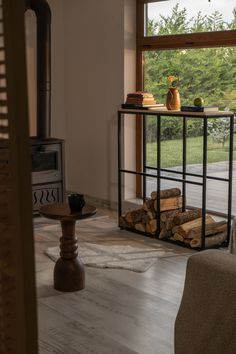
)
(69, 272)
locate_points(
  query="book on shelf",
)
(140, 101)
(143, 106)
(140, 98)
(199, 108)
(158, 108)
(140, 94)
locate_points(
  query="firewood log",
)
(169, 203)
(166, 193)
(129, 217)
(187, 241)
(166, 214)
(140, 227)
(175, 229)
(213, 240)
(165, 233)
(151, 226)
(178, 237)
(138, 216)
(124, 223)
(151, 214)
(186, 216)
(195, 242)
(210, 229)
(148, 205)
(134, 216)
(145, 218)
(148, 229)
(170, 220)
(185, 228)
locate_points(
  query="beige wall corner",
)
(93, 66)
(94, 38)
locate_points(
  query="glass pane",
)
(166, 17)
(209, 73)
(44, 161)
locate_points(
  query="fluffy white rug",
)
(103, 245)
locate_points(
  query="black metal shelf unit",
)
(184, 174)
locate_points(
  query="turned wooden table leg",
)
(69, 270)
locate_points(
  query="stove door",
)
(46, 163)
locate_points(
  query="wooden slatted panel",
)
(17, 309)
(7, 280)
(4, 134)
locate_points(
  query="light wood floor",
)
(119, 311)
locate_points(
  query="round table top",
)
(61, 211)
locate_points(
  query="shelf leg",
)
(204, 182)
(158, 175)
(184, 162)
(144, 159)
(231, 157)
(119, 168)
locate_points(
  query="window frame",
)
(167, 42)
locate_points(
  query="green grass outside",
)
(171, 152)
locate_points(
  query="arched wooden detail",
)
(18, 325)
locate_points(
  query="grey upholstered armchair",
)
(206, 321)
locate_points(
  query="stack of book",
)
(199, 108)
(141, 100)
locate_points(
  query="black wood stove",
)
(47, 153)
(47, 157)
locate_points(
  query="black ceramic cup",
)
(76, 202)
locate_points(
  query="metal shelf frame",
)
(184, 174)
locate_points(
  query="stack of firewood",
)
(176, 225)
(187, 227)
(144, 219)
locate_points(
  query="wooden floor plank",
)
(61, 334)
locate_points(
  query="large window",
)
(195, 41)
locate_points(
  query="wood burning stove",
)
(47, 156)
(47, 153)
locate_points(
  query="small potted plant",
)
(173, 97)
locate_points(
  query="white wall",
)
(94, 85)
(58, 69)
(88, 70)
